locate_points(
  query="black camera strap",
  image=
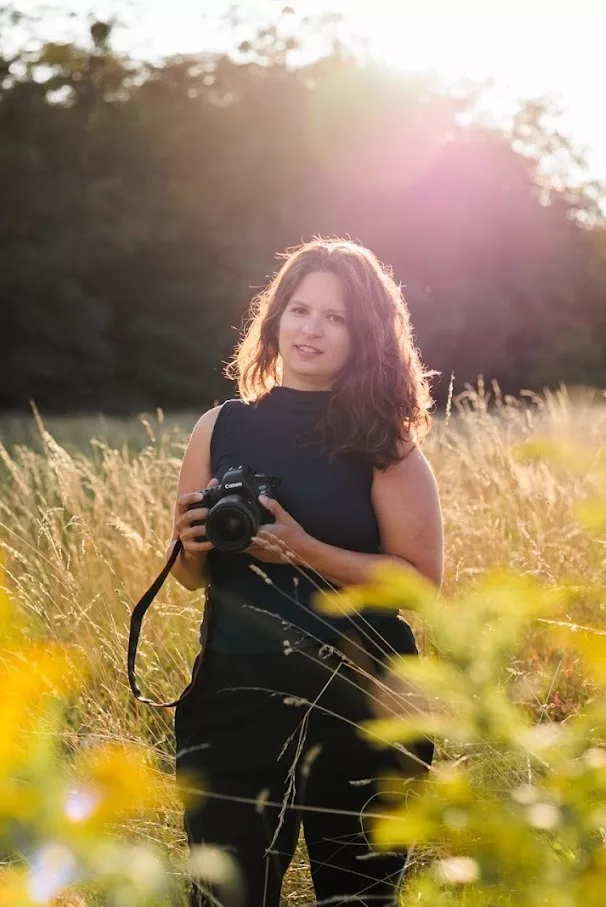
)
(136, 621)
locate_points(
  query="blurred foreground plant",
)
(58, 823)
(517, 813)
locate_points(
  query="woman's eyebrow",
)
(335, 311)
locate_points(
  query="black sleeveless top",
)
(331, 501)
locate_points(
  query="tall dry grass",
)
(85, 516)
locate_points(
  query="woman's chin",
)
(312, 379)
(305, 368)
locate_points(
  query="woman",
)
(333, 401)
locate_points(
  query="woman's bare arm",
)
(195, 474)
(406, 502)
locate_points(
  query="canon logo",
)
(233, 485)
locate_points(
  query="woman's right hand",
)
(187, 532)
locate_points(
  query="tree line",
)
(143, 204)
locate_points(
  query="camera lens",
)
(231, 524)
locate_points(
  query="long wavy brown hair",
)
(380, 401)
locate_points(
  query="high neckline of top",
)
(293, 399)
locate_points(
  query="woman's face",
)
(315, 318)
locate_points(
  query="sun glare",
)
(511, 42)
(446, 37)
(523, 48)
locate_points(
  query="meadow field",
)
(86, 510)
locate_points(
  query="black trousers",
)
(272, 742)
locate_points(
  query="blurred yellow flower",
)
(392, 586)
(28, 676)
(114, 781)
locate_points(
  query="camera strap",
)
(136, 621)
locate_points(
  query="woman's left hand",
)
(275, 540)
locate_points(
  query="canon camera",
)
(235, 514)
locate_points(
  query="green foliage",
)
(59, 817)
(511, 687)
(515, 813)
(141, 203)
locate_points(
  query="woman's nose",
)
(312, 327)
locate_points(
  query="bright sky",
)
(529, 47)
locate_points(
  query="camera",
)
(235, 513)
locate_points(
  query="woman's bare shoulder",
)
(199, 439)
(195, 470)
(207, 420)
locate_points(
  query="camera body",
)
(234, 512)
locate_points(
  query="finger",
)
(197, 513)
(269, 503)
(260, 540)
(193, 532)
(192, 497)
(193, 547)
(188, 518)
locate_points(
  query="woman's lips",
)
(308, 353)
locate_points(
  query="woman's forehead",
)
(322, 289)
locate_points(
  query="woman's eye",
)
(301, 310)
